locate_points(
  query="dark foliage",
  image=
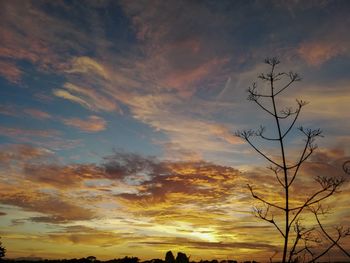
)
(169, 257)
(182, 258)
(2, 251)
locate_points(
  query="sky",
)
(118, 120)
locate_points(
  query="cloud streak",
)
(92, 124)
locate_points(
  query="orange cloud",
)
(21, 152)
(87, 97)
(18, 132)
(91, 124)
(186, 81)
(62, 177)
(25, 38)
(88, 236)
(87, 65)
(55, 208)
(10, 71)
(329, 40)
(318, 52)
(37, 114)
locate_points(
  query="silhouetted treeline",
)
(119, 260)
(169, 258)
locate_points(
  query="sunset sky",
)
(117, 123)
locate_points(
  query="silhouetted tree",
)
(91, 258)
(2, 251)
(346, 167)
(182, 258)
(299, 242)
(169, 257)
(130, 260)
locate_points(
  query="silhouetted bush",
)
(182, 258)
(2, 251)
(169, 257)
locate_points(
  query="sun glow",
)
(207, 235)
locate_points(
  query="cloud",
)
(19, 132)
(87, 65)
(326, 162)
(63, 176)
(8, 110)
(328, 40)
(86, 97)
(16, 111)
(89, 236)
(57, 209)
(190, 129)
(21, 152)
(109, 79)
(10, 71)
(66, 95)
(186, 55)
(164, 189)
(328, 105)
(37, 114)
(210, 245)
(48, 138)
(130, 178)
(91, 124)
(316, 53)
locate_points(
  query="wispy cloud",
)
(91, 124)
(86, 97)
(37, 114)
(89, 236)
(56, 210)
(317, 52)
(19, 132)
(10, 71)
(87, 65)
(328, 41)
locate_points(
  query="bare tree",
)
(299, 241)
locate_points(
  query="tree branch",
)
(341, 233)
(262, 200)
(276, 170)
(327, 184)
(301, 160)
(293, 77)
(263, 215)
(300, 105)
(246, 134)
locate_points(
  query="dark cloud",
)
(57, 208)
(157, 178)
(62, 176)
